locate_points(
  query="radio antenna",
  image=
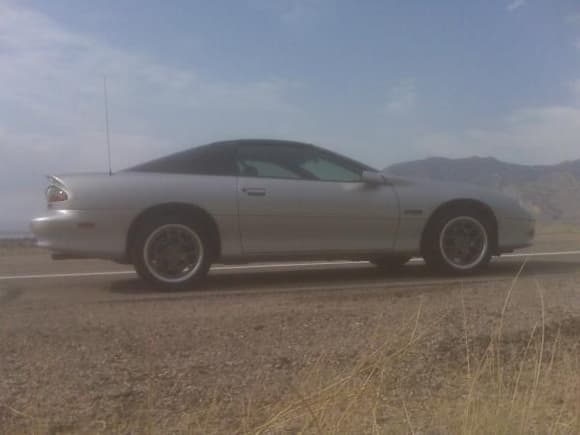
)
(107, 123)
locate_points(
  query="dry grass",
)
(569, 226)
(24, 246)
(523, 385)
(23, 242)
(406, 382)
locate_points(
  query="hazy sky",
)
(382, 81)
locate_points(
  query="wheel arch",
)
(196, 213)
(463, 203)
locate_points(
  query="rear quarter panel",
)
(126, 195)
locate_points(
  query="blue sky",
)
(382, 81)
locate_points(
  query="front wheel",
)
(171, 253)
(459, 242)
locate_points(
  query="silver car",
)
(270, 200)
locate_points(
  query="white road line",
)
(66, 275)
(258, 266)
(541, 254)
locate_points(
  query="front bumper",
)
(515, 234)
(81, 233)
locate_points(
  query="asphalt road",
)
(37, 276)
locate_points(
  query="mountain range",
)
(550, 192)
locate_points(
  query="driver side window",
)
(259, 168)
(270, 161)
(295, 162)
(326, 167)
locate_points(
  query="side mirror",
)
(373, 178)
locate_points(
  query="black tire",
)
(390, 262)
(169, 234)
(473, 249)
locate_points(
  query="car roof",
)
(261, 141)
(235, 142)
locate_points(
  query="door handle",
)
(254, 191)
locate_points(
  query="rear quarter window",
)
(204, 160)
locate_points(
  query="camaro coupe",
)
(270, 200)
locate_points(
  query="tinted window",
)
(295, 161)
(272, 161)
(214, 159)
(327, 167)
(257, 168)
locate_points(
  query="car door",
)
(297, 199)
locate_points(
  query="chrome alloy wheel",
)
(463, 242)
(173, 253)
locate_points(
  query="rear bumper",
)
(81, 233)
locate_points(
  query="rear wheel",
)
(171, 253)
(458, 242)
(390, 262)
